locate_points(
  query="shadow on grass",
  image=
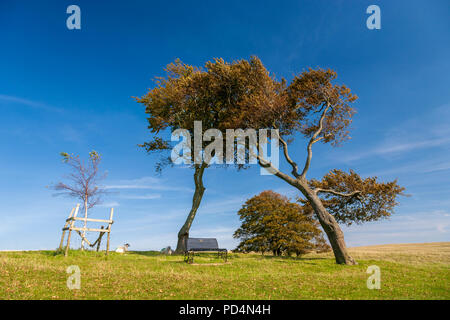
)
(73, 253)
(231, 256)
(285, 258)
(199, 259)
(157, 253)
(147, 253)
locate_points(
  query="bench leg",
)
(189, 257)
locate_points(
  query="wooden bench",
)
(203, 245)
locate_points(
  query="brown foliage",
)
(350, 198)
(270, 222)
(217, 95)
(299, 106)
(243, 94)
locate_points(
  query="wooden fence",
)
(69, 226)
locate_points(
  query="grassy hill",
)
(408, 271)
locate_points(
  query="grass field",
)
(409, 271)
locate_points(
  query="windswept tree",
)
(314, 107)
(83, 182)
(202, 102)
(270, 222)
(242, 95)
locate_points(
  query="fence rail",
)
(69, 226)
(89, 219)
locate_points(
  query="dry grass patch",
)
(416, 271)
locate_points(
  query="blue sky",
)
(70, 90)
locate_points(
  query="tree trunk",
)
(183, 234)
(330, 226)
(326, 220)
(85, 221)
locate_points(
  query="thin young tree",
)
(83, 182)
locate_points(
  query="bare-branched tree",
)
(83, 182)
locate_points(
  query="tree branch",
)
(288, 158)
(266, 164)
(313, 140)
(351, 194)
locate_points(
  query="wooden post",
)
(64, 231)
(109, 229)
(100, 239)
(70, 230)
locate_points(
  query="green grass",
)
(418, 271)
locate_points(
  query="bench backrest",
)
(202, 243)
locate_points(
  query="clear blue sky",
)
(70, 90)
